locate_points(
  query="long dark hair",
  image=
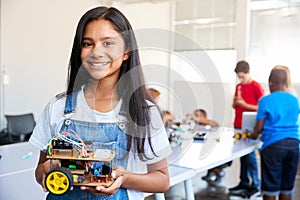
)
(131, 86)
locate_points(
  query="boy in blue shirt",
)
(277, 121)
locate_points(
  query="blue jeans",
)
(279, 172)
(249, 171)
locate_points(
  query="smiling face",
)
(103, 50)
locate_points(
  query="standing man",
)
(247, 94)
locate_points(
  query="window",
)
(274, 37)
(210, 24)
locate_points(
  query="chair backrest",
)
(20, 124)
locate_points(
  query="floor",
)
(205, 192)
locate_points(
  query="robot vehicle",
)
(78, 166)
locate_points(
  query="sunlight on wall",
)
(205, 66)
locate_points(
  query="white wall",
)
(36, 39)
(153, 28)
(194, 88)
(204, 79)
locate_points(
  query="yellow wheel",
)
(59, 180)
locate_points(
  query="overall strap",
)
(71, 103)
(122, 109)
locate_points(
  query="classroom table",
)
(189, 157)
(17, 166)
(197, 156)
(177, 175)
(219, 148)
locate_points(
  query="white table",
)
(219, 148)
(180, 174)
(177, 175)
(17, 165)
(198, 156)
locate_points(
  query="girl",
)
(107, 105)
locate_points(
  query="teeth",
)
(100, 64)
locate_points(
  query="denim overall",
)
(96, 136)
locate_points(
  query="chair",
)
(4, 137)
(20, 127)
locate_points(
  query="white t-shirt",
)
(52, 117)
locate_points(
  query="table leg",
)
(159, 196)
(189, 193)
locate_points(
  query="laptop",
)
(248, 121)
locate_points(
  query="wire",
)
(71, 137)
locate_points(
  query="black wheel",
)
(59, 180)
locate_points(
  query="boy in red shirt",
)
(247, 94)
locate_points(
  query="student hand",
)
(117, 175)
(240, 102)
(105, 191)
(213, 123)
(45, 170)
(252, 136)
(118, 172)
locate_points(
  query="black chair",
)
(4, 137)
(19, 127)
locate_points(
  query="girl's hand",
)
(118, 172)
(117, 175)
(45, 168)
(103, 191)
